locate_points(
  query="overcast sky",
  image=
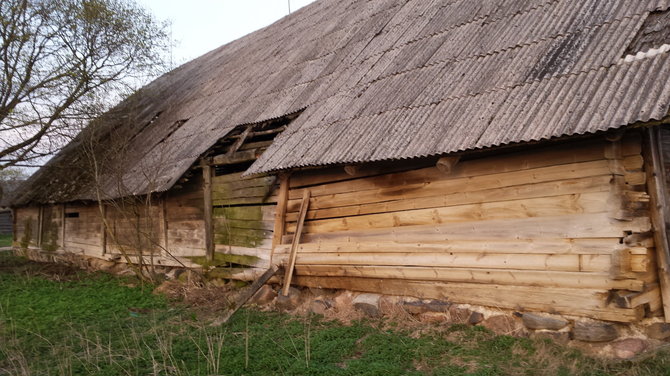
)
(199, 26)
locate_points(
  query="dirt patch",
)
(207, 302)
(10, 264)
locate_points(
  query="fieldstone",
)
(558, 337)
(317, 291)
(433, 317)
(659, 331)
(475, 318)
(288, 302)
(502, 324)
(629, 347)
(459, 315)
(343, 298)
(415, 307)
(320, 306)
(264, 295)
(597, 331)
(438, 306)
(537, 322)
(368, 304)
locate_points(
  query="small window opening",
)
(72, 215)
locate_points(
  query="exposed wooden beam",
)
(446, 164)
(238, 157)
(656, 185)
(236, 146)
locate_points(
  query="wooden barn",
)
(502, 153)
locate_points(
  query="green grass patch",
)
(5, 240)
(59, 322)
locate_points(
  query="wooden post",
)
(280, 213)
(209, 228)
(164, 225)
(658, 193)
(296, 240)
(62, 228)
(103, 237)
(40, 225)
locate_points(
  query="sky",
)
(199, 26)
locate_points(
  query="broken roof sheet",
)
(390, 79)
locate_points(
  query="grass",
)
(5, 240)
(54, 321)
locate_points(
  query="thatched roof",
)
(392, 79)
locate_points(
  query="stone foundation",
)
(600, 338)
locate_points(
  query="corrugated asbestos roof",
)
(388, 79)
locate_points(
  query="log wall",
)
(560, 229)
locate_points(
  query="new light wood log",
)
(400, 190)
(570, 263)
(547, 189)
(294, 246)
(527, 208)
(551, 155)
(597, 225)
(596, 246)
(467, 275)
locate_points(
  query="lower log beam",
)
(578, 302)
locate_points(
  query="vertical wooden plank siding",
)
(207, 193)
(658, 192)
(557, 229)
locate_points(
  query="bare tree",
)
(65, 62)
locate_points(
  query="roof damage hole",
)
(654, 33)
(238, 150)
